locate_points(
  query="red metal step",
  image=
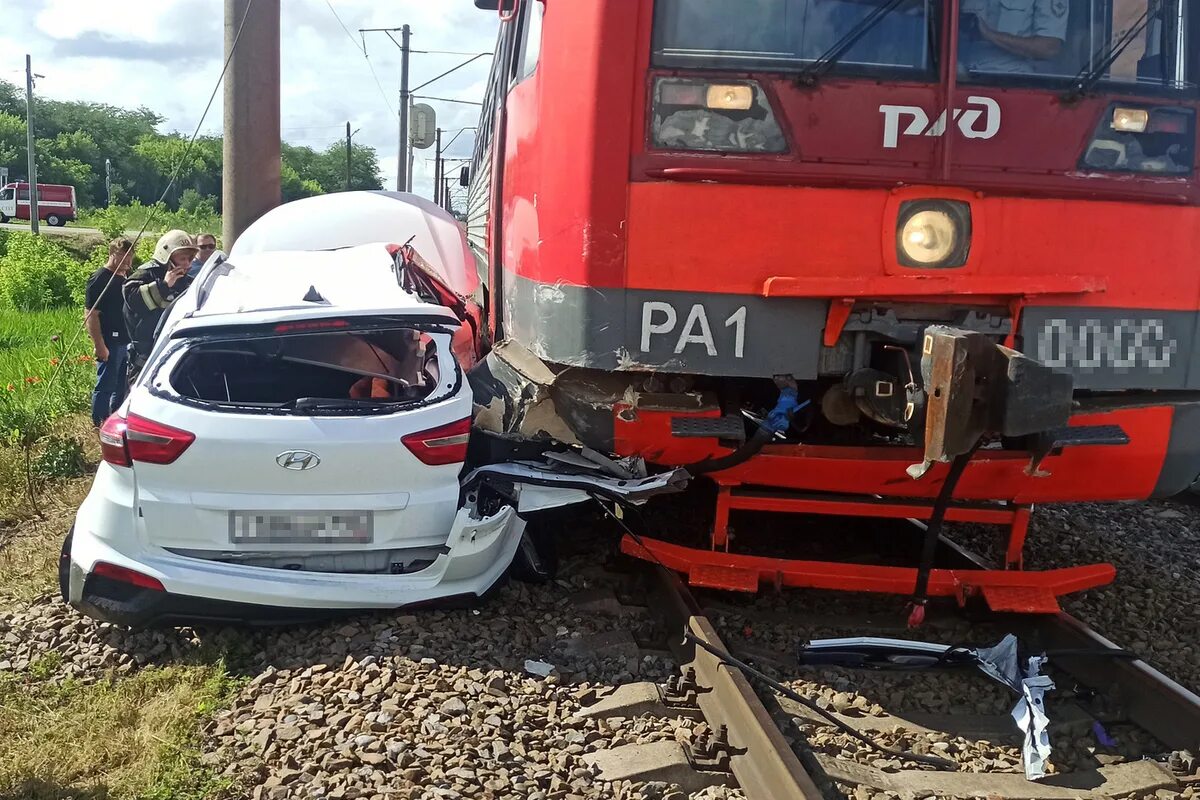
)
(1004, 590)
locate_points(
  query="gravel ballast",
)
(429, 704)
(482, 702)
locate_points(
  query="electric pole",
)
(250, 178)
(437, 169)
(108, 182)
(33, 192)
(348, 154)
(402, 169)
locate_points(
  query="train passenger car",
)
(692, 213)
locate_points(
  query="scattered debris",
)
(539, 668)
(1000, 663)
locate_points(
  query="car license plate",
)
(312, 527)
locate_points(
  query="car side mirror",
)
(464, 176)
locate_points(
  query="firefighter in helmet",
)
(151, 290)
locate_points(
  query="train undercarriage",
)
(919, 411)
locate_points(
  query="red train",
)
(681, 206)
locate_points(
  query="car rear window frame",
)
(159, 384)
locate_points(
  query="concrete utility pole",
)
(33, 192)
(437, 169)
(250, 179)
(402, 165)
(108, 182)
(348, 156)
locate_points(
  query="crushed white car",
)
(294, 443)
(297, 443)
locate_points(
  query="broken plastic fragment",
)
(1102, 735)
(539, 668)
(1030, 716)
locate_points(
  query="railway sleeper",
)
(1138, 778)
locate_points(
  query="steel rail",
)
(763, 762)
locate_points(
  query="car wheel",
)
(536, 560)
(4, 219)
(55, 220)
(64, 568)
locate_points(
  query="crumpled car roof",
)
(348, 219)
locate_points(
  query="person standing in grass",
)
(151, 290)
(104, 318)
(207, 245)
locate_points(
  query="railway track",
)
(774, 747)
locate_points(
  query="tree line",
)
(74, 138)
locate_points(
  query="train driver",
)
(1012, 36)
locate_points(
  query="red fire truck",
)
(696, 216)
(56, 203)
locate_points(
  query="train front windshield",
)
(1132, 45)
(785, 34)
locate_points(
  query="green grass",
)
(27, 344)
(134, 737)
(123, 737)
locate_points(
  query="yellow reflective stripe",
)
(151, 296)
(162, 303)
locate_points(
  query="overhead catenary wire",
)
(333, 11)
(183, 158)
(387, 103)
(448, 53)
(446, 100)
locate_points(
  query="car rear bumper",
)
(479, 550)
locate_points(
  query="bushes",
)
(35, 273)
(196, 214)
(61, 457)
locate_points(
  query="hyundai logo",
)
(297, 460)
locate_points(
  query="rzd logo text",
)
(975, 123)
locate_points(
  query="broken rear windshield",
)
(341, 372)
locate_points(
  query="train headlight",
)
(1156, 140)
(933, 234)
(694, 114)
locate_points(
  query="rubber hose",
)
(749, 450)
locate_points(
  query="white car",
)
(296, 443)
(293, 446)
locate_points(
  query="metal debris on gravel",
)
(1150, 608)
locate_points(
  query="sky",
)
(167, 55)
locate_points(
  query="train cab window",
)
(786, 35)
(1134, 44)
(533, 39)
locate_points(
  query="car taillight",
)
(726, 116)
(126, 575)
(123, 441)
(444, 445)
(1146, 140)
(112, 442)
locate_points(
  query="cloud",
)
(94, 44)
(166, 54)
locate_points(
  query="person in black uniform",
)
(104, 318)
(151, 290)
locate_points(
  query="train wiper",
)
(829, 59)
(1083, 83)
